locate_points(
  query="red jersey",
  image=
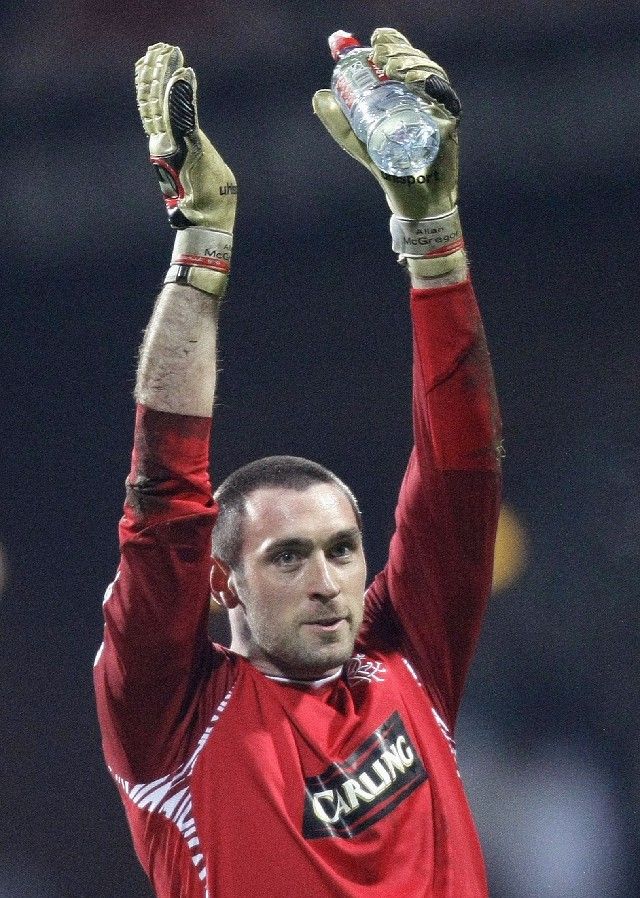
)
(238, 784)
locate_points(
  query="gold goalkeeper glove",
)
(199, 189)
(425, 225)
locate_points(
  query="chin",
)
(324, 664)
(311, 662)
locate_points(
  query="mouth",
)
(327, 624)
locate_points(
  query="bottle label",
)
(355, 78)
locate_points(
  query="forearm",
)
(456, 415)
(177, 364)
(440, 561)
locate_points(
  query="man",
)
(316, 755)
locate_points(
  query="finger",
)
(413, 66)
(385, 42)
(152, 74)
(393, 52)
(399, 60)
(180, 103)
(382, 36)
(327, 109)
(441, 91)
(182, 112)
(157, 51)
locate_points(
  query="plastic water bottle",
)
(401, 135)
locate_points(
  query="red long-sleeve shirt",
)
(236, 784)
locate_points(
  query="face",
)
(300, 593)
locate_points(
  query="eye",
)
(286, 558)
(343, 549)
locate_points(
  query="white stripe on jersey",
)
(171, 796)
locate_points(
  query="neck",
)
(322, 681)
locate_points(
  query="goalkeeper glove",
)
(199, 188)
(425, 225)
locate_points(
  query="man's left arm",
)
(438, 576)
(437, 581)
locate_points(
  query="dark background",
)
(315, 361)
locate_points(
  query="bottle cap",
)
(340, 42)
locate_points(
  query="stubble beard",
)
(292, 653)
(296, 654)
(306, 656)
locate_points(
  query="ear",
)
(222, 589)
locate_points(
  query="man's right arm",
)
(156, 653)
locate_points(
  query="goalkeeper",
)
(316, 755)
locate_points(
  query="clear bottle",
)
(401, 135)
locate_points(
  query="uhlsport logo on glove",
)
(198, 188)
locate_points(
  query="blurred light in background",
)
(512, 544)
(548, 819)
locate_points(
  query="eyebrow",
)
(304, 545)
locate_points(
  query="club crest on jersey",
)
(360, 669)
(352, 795)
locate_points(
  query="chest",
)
(334, 760)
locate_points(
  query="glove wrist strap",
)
(201, 258)
(428, 245)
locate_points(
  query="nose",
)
(322, 582)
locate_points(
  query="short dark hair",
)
(287, 471)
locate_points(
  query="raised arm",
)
(437, 581)
(155, 653)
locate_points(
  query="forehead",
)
(275, 513)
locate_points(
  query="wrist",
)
(422, 279)
(430, 247)
(201, 258)
(450, 268)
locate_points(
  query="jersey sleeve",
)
(156, 653)
(432, 594)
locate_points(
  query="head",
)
(289, 565)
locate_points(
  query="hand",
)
(199, 188)
(433, 192)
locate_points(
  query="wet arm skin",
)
(177, 365)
